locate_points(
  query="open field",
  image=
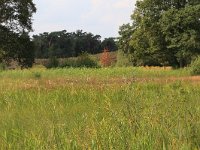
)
(108, 108)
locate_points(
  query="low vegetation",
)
(83, 61)
(195, 67)
(107, 108)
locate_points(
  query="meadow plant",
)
(195, 66)
(105, 58)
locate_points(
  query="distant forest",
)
(64, 44)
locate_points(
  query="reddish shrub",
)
(105, 58)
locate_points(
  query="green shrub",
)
(2, 66)
(83, 60)
(195, 67)
(53, 62)
(123, 60)
(68, 63)
(37, 75)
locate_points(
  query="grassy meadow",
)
(107, 108)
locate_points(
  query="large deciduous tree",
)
(166, 32)
(16, 15)
(15, 24)
(181, 28)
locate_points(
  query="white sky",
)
(101, 17)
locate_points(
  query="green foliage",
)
(53, 62)
(69, 63)
(125, 32)
(123, 59)
(16, 15)
(15, 24)
(2, 66)
(163, 33)
(182, 40)
(84, 60)
(109, 43)
(25, 53)
(37, 75)
(195, 66)
(64, 44)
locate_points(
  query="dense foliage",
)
(83, 61)
(195, 67)
(123, 59)
(15, 23)
(67, 44)
(163, 32)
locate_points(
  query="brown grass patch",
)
(92, 82)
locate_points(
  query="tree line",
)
(64, 44)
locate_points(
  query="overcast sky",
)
(101, 17)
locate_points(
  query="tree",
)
(181, 28)
(124, 47)
(25, 54)
(109, 43)
(125, 32)
(15, 22)
(147, 38)
(165, 32)
(15, 15)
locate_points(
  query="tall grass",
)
(99, 73)
(39, 113)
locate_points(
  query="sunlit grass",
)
(100, 73)
(98, 109)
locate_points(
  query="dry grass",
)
(94, 82)
(158, 68)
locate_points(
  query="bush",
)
(37, 75)
(195, 67)
(123, 60)
(86, 61)
(68, 63)
(2, 66)
(105, 58)
(83, 60)
(53, 62)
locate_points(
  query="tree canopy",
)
(16, 15)
(15, 24)
(70, 44)
(163, 32)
